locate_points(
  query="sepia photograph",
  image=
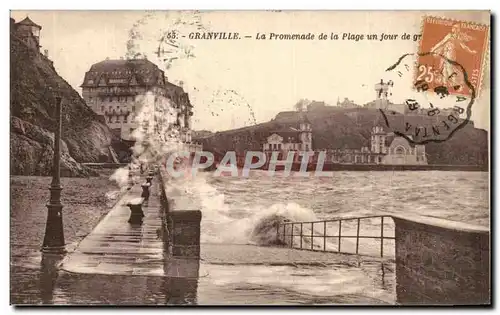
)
(243, 158)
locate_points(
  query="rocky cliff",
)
(34, 83)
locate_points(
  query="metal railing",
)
(285, 237)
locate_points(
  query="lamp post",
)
(53, 241)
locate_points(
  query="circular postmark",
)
(437, 93)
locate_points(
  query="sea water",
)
(239, 210)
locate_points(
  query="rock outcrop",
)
(32, 149)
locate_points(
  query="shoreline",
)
(329, 167)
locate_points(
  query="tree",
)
(301, 105)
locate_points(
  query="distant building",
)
(382, 102)
(382, 99)
(116, 90)
(291, 139)
(346, 103)
(385, 149)
(316, 106)
(28, 31)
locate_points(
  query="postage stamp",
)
(432, 113)
(450, 45)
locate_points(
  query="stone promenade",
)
(117, 247)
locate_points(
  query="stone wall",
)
(185, 235)
(181, 224)
(441, 263)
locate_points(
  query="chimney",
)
(121, 58)
(46, 53)
(107, 58)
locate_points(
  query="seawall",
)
(181, 222)
(441, 262)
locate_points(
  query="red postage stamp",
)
(452, 55)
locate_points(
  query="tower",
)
(29, 31)
(378, 140)
(305, 132)
(382, 92)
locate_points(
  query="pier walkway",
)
(119, 248)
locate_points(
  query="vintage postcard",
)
(250, 158)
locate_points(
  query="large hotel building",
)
(117, 89)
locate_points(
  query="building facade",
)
(290, 138)
(386, 148)
(119, 90)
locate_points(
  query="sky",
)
(236, 83)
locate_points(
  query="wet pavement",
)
(123, 264)
(118, 247)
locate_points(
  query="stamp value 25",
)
(456, 49)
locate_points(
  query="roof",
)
(28, 22)
(286, 133)
(390, 139)
(174, 87)
(124, 72)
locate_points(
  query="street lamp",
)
(53, 241)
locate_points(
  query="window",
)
(110, 99)
(102, 108)
(279, 146)
(399, 150)
(307, 147)
(133, 108)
